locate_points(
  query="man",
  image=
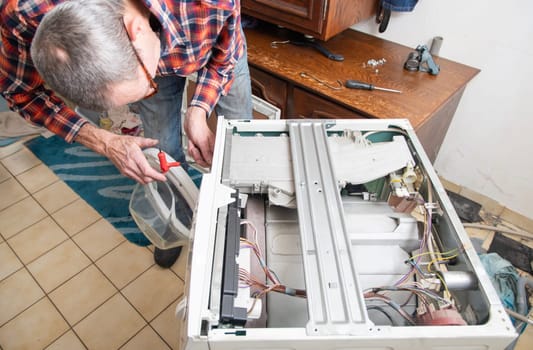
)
(105, 53)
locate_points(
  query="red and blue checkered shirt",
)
(200, 36)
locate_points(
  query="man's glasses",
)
(153, 84)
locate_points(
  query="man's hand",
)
(124, 151)
(201, 138)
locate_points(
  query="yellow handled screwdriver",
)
(356, 84)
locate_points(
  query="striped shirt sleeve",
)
(22, 86)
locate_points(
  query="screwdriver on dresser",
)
(356, 84)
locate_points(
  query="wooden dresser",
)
(321, 19)
(429, 102)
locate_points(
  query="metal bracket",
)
(335, 301)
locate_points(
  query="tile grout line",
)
(32, 168)
(31, 195)
(58, 209)
(22, 172)
(29, 306)
(139, 331)
(129, 302)
(24, 266)
(119, 291)
(93, 263)
(46, 211)
(46, 295)
(45, 252)
(16, 202)
(48, 215)
(92, 311)
(17, 270)
(149, 323)
(62, 334)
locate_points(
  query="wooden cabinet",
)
(269, 88)
(427, 101)
(321, 19)
(295, 102)
(304, 104)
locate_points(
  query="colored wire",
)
(427, 229)
(444, 284)
(440, 260)
(437, 253)
(422, 293)
(249, 280)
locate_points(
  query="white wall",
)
(489, 146)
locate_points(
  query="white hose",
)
(522, 234)
(518, 316)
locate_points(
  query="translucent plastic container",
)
(163, 211)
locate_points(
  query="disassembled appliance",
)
(331, 234)
(163, 210)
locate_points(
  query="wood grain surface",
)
(422, 94)
(428, 101)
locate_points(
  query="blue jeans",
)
(161, 114)
(399, 5)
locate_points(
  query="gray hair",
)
(81, 47)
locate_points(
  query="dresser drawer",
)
(308, 105)
(269, 88)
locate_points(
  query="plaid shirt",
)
(201, 36)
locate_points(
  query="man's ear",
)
(134, 25)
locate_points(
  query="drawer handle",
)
(264, 93)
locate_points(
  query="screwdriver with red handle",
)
(356, 84)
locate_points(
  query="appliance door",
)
(164, 210)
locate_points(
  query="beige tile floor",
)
(69, 279)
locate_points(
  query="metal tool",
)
(421, 60)
(310, 43)
(356, 84)
(323, 82)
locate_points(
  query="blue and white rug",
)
(95, 179)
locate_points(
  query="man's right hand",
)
(124, 151)
(201, 138)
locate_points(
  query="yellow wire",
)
(440, 259)
(447, 291)
(426, 253)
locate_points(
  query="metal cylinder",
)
(435, 45)
(458, 280)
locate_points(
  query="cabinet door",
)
(307, 105)
(305, 16)
(269, 88)
(321, 19)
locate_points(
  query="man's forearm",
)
(94, 138)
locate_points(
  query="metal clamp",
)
(421, 60)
